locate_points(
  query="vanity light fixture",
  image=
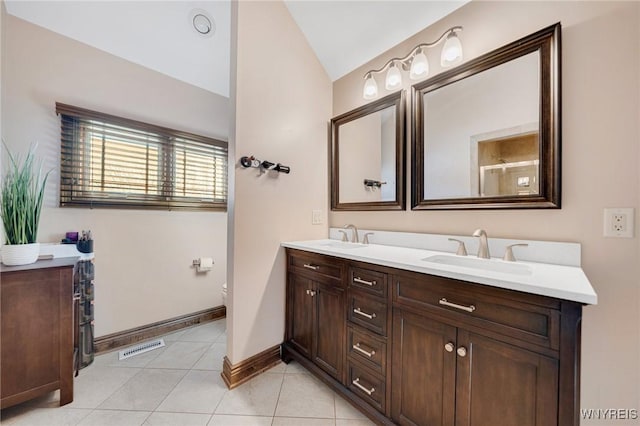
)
(416, 62)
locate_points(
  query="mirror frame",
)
(547, 43)
(397, 100)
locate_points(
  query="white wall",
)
(143, 257)
(600, 162)
(282, 100)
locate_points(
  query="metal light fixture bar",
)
(371, 89)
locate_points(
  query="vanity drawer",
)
(368, 312)
(519, 315)
(316, 264)
(368, 280)
(367, 386)
(368, 349)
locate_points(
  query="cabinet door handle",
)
(364, 314)
(310, 266)
(449, 347)
(357, 384)
(312, 293)
(362, 351)
(462, 351)
(469, 308)
(361, 281)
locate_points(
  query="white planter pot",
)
(20, 254)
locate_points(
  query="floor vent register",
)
(140, 349)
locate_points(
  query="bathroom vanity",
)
(411, 341)
(37, 330)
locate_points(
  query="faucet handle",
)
(462, 250)
(508, 253)
(365, 240)
(344, 235)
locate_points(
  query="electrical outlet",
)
(316, 217)
(618, 222)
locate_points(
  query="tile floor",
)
(180, 385)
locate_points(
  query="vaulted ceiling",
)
(160, 35)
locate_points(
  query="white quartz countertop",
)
(559, 281)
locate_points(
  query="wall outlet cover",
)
(619, 222)
(316, 217)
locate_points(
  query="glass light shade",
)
(394, 78)
(451, 51)
(419, 66)
(370, 90)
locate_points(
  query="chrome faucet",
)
(354, 236)
(483, 247)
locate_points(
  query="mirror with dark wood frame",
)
(486, 134)
(367, 156)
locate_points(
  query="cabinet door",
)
(423, 371)
(301, 313)
(329, 329)
(501, 384)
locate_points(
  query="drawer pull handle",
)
(311, 293)
(469, 308)
(362, 351)
(357, 384)
(310, 266)
(449, 347)
(364, 314)
(462, 351)
(361, 281)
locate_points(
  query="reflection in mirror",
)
(367, 154)
(487, 131)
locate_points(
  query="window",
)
(109, 161)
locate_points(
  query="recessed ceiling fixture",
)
(202, 23)
(416, 62)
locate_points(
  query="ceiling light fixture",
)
(202, 22)
(416, 62)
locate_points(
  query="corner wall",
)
(600, 141)
(143, 257)
(282, 99)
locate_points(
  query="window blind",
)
(109, 161)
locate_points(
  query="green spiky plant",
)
(21, 199)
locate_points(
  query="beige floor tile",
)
(180, 355)
(230, 420)
(47, 417)
(279, 368)
(208, 332)
(305, 396)
(145, 391)
(199, 391)
(257, 397)
(177, 419)
(301, 421)
(96, 384)
(344, 410)
(350, 422)
(212, 358)
(172, 337)
(222, 338)
(115, 418)
(295, 368)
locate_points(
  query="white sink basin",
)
(343, 245)
(482, 264)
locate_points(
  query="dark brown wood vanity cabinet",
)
(426, 350)
(37, 331)
(315, 311)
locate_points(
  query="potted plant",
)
(20, 206)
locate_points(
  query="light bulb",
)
(419, 66)
(394, 78)
(370, 90)
(451, 51)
